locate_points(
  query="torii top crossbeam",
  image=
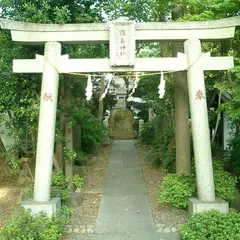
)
(99, 32)
(122, 55)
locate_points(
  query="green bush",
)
(69, 154)
(82, 158)
(176, 189)
(211, 225)
(159, 154)
(63, 194)
(225, 183)
(78, 181)
(147, 134)
(235, 154)
(136, 125)
(23, 226)
(93, 130)
(92, 134)
(59, 180)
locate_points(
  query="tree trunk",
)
(182, 135)
(100, 105)
(68, 132)
(59, 144)
(56, 163)
(4, 168)
(58, 158)
(69, 164)
(77, 129)
(218, 119)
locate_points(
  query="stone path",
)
(124, 210)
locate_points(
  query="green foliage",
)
(30, 13)
(225, 183)
(235, 154)
(208, 10)
(92, 129)
(159, 136)
(176, 189)
(136, 125)
(92, 134)
(82, 158)
(211, 225)
(70, 155)
(160, 154)
(148, 90)
(147, 134)
(134, 10)
(63, 194)
(10, 159)
(19, 103)
(59, 180)
(52, 11)
(59, 187)
(232, 107)
(28, 194)
(78, 181)
(22, 225)
(23, 99)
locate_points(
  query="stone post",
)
(47, 120)
(105, 122)
(199, 117)
(151, 114)
(200, 130)
(46, 133)
(141, 123)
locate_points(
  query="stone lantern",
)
(121, 97)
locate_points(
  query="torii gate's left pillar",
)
(46, 135)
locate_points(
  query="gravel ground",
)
(10, 193)
(162, 213)
(85, 215)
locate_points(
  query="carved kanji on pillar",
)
(47, 97)
(199, 95)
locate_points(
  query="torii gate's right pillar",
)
(200, 130)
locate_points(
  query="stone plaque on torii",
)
(122, 43)
(123, 36)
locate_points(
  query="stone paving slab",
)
(124, 206)
(124, 209)
(124, 212)
(122, 228)
(135, 236)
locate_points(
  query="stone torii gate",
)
(122, 36)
